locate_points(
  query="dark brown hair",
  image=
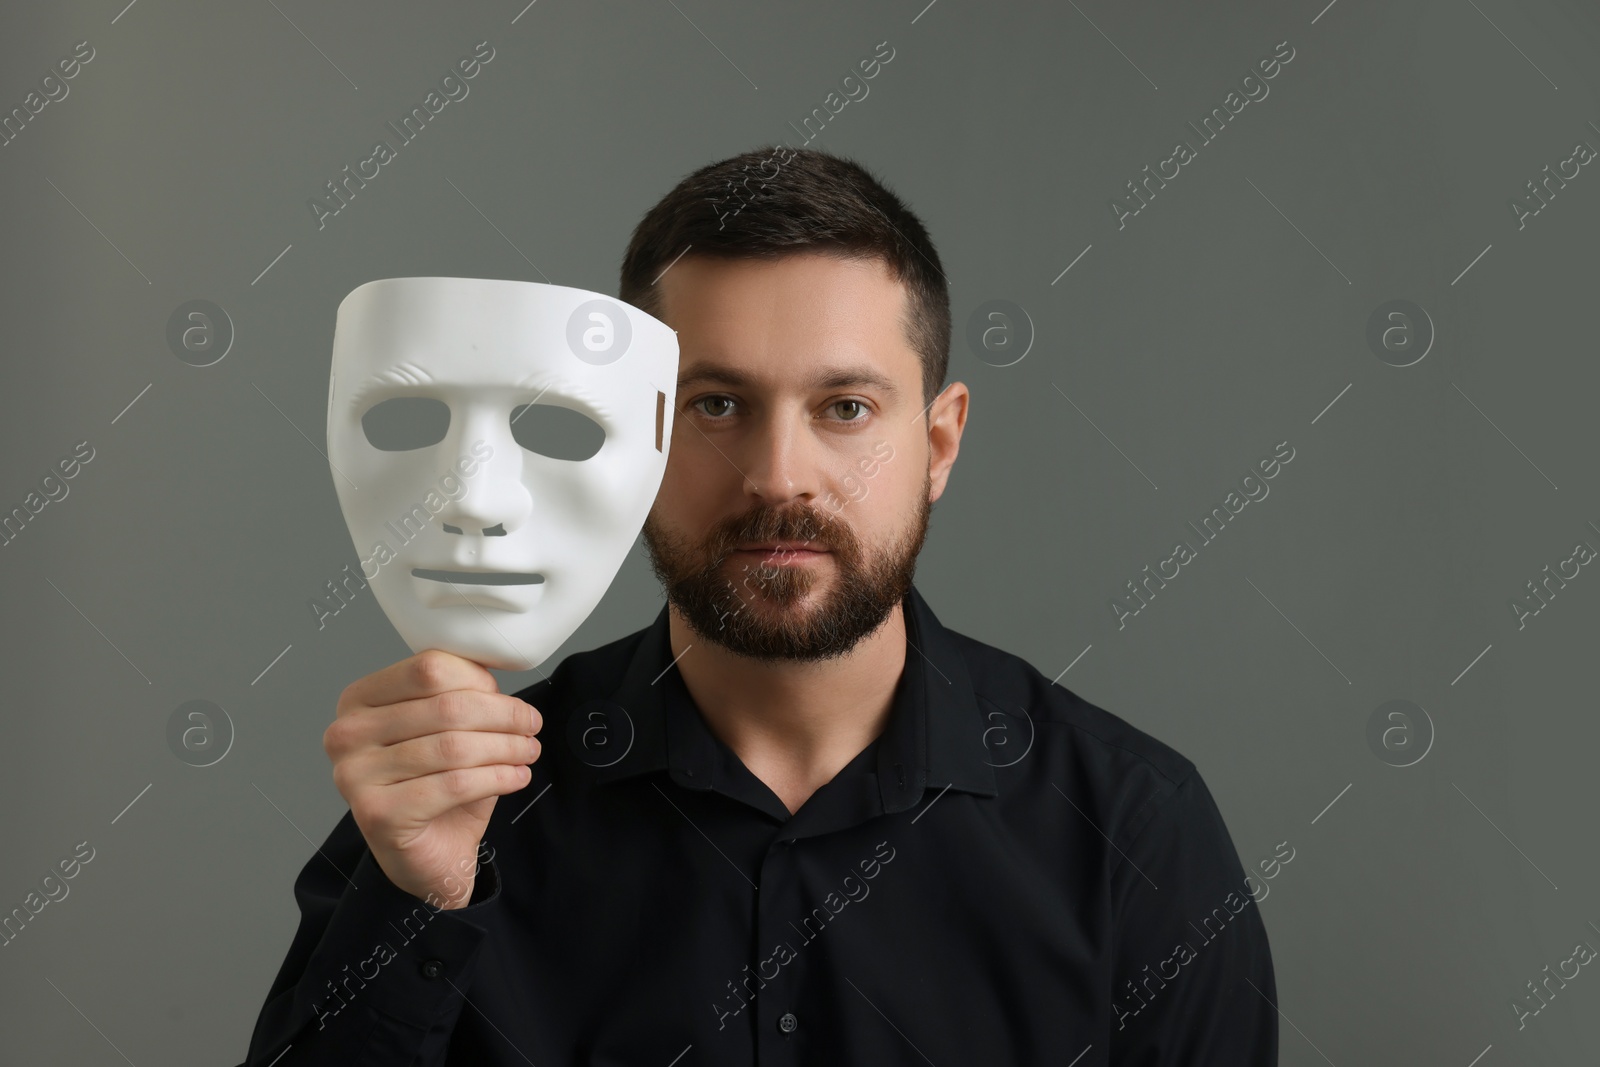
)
(775, 201)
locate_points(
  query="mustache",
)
(802, 523)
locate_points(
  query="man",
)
(794, 820)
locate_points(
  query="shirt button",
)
(432, 969)
(787, 1021)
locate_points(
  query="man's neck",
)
(794, 724)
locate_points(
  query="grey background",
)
(1224, 318)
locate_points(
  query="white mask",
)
(428, 374)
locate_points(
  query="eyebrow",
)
(828, 378)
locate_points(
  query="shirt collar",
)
(934, 736)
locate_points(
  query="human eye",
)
(860, 406)
(712, 399)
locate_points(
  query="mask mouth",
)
(478, 577)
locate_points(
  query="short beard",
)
(757, 616)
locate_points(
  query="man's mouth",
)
(784, 552)
(478, 577)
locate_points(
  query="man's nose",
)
(781, 460)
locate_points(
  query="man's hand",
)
(421, 751)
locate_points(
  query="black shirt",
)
(1008, 874)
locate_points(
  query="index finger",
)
(425, 674)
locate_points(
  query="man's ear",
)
(947, 418)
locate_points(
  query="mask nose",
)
(494, 502)
(497, 530)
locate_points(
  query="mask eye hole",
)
(406, 422)
(555, 431)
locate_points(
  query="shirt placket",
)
(781, 1030)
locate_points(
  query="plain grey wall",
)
(1183, 344)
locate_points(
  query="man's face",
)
(799, 420)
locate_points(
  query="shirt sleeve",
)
(1192, 979)
(372, 971)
